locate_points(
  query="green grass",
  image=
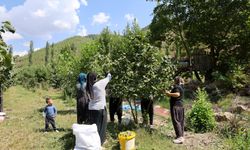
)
(23, 127)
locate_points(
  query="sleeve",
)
(176, 90)
(103, 83)
(45, 110)
(55, 111)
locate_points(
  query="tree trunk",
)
(134, 115)
(197, 75)
(1, 99)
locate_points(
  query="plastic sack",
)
(87, 137)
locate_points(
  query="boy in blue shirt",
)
(50, 114)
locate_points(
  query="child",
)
(50, 114)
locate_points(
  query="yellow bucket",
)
(127, 140)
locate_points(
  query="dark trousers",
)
(115, 106)
(147, 108)
(177, 115)
(50, 120)
(99, 117)
(82, 112)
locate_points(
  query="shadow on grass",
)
(68, 141)
(60, 112)
(66, 112)
(51, 130)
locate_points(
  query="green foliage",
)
(201, 117)
(5, 56)
(217, 27)
(236, 79)
(138, 68)
(241, 141)
(33, 77)
(47, 53)
(237, 134)
(31, 51)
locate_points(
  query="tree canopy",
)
(217, 27)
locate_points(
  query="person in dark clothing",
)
(115, 106)
(50, 114)
(177, 109)
(97, 103)
(81, 99)
(147, 108)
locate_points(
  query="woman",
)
(82, 99)
(97, 103)
(147, 109)
(177, 109)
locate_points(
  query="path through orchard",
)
(23, 127)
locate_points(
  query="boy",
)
(50, 114)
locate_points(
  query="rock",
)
(239, 109)
(226, 116)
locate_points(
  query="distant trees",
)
(47, 53)
(52, 52)
(31, 53)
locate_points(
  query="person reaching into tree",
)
(177, 109)
(115, 107)
(147, 108)
(97, 103)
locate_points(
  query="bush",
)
(201, 117)
(241, 141)
(33, 77)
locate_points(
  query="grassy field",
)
(23, 127)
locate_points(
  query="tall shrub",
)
(201, 117)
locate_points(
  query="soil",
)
(192, 140)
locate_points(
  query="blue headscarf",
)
(82, 80)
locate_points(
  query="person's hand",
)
(109, 75)
(167, 92)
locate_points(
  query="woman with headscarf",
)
(82, 99)
(177, 109)
(97, 103)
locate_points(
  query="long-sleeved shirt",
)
(99, 101)
(50, 111)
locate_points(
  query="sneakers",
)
(179, 140)
(56, 131)
(151, 126)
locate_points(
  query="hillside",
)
(38, 56)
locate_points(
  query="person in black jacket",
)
(177, 109)
(115, 106)
(82, 99)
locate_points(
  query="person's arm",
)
(55, 111)
(176, 94)
(103, 82)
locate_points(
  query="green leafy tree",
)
(138, 69)
(217, 27)
(5, 59)
(31, 52)
(47, 53)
